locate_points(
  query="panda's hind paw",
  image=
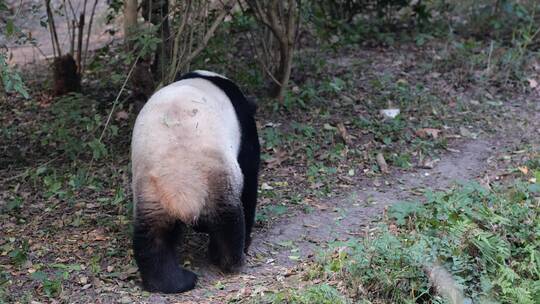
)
(229, 265)
(175, 281)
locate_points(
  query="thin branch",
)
(73, 14)
(115, 103)
(291, 29)
(79, 42)
(259, 12)
(72, 41)
(74, 26)
(70, 26)
(282, 19)
(210, 32)
(176, 45)
(89, 32)
(182, 57)
(117, 98)
(52, 28)
(274, 22)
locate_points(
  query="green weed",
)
(73, 128)
(4, 281)
(50, 286)
(11, 80)
(321, 294)
(270, 212)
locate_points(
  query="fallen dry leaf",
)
(393, 229)
(345, 136)
(428, 133)
(121, 115)
(320, 206)
(97, 235)
(316, 185)
(277, 158)
(382, 163)
(524, 170)
(532, 83)
(428, 163)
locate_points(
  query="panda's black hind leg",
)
(154, 246)
(227, 239)
(249, 202)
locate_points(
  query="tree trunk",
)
(156, 12)
(164, 48)
(283, 72)
(142, 82)
(281, 18)
(130, 22)
(65, 76)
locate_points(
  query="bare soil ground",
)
(30, 13)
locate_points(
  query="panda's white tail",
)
(173, 195)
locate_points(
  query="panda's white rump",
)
(184, 150)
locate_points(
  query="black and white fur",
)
(195, 161)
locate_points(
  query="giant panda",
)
(195, 159)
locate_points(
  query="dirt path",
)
(30, 13)
(341, 218)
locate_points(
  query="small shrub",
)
(321, 294)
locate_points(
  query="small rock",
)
(266, 186)
(126, 300)
(132, 270)
(156, 299)
(121, 115)
(390, 113)
(86, 286)
(466, 133)
(428, 163)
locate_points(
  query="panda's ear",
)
(251, 105)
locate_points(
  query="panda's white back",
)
(188, 109)
(185, 142)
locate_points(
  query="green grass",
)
(320, 294)
(487, 240)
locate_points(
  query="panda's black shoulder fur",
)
(242, 105)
